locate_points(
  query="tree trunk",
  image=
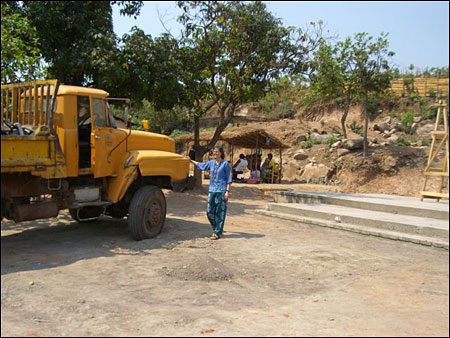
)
(199, 152)
(202, 150)
(344, 117)
(366, 124)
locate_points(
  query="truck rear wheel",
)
(147, 213)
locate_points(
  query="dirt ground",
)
(265, 277)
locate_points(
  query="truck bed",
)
(39, 155)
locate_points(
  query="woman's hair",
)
(242, 156)
(222, 153)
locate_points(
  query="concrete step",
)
(365, 230)
(368, 218)
(376, 202)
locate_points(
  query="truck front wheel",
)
(147, 213)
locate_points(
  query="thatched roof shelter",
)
(240, 137)
(250, 138)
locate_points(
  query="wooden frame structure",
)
(439, 144)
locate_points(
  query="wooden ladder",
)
(440, 143)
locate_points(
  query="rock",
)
(313, 171)
(389, 163)
(425, 131)
(290, 171)
(338, 144)
(301, 155)
(353, 144)
(342, 152)
(301, 138)
(319, 137)
(382, 126)
(392, 140)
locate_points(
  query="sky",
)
(418, 30)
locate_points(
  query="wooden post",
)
(281, 167)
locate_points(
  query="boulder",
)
(319, 137)
(354, 144)
(342, 152)
(338, 144)
(290, 171)
(425, 131)
(388, 163)
(315, 171)
(301, 138)
(382, 126)
(392, 140)
(300, 155)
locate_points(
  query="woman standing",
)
(219, 189)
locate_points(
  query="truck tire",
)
(86, 214)
(147, 213)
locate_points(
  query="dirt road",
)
(265, 277)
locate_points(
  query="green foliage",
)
(425, 142)
(356, 128)
(310, 141)
(393, 113)
(178, 132)
(407, 121)
(231, 53)
(403, 142)
(331, 140)
(20, 55)
(430, 113)
(77, 39)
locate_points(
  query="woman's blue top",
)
(219, 175)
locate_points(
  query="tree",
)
(332, 79)
(371, 70)
(76, 37)
(230, 52)
(20, 55)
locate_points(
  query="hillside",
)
(395, 164)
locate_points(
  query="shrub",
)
(407, 122)
(310, 142)
(331, 140)
(403, 142)
(356, 128)
(393, 113)
(425, 143)
(430, 113)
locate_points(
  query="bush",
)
(425, 143)
(430, 113)
(407, 122)
(310, 142)
(393, 113)
(331, 140)
(178, 132)
(356, 128)
(403, 142)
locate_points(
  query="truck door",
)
(102, 140)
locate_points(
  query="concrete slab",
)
(382, 220)
(385, 203)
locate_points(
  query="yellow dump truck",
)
(61, 149)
